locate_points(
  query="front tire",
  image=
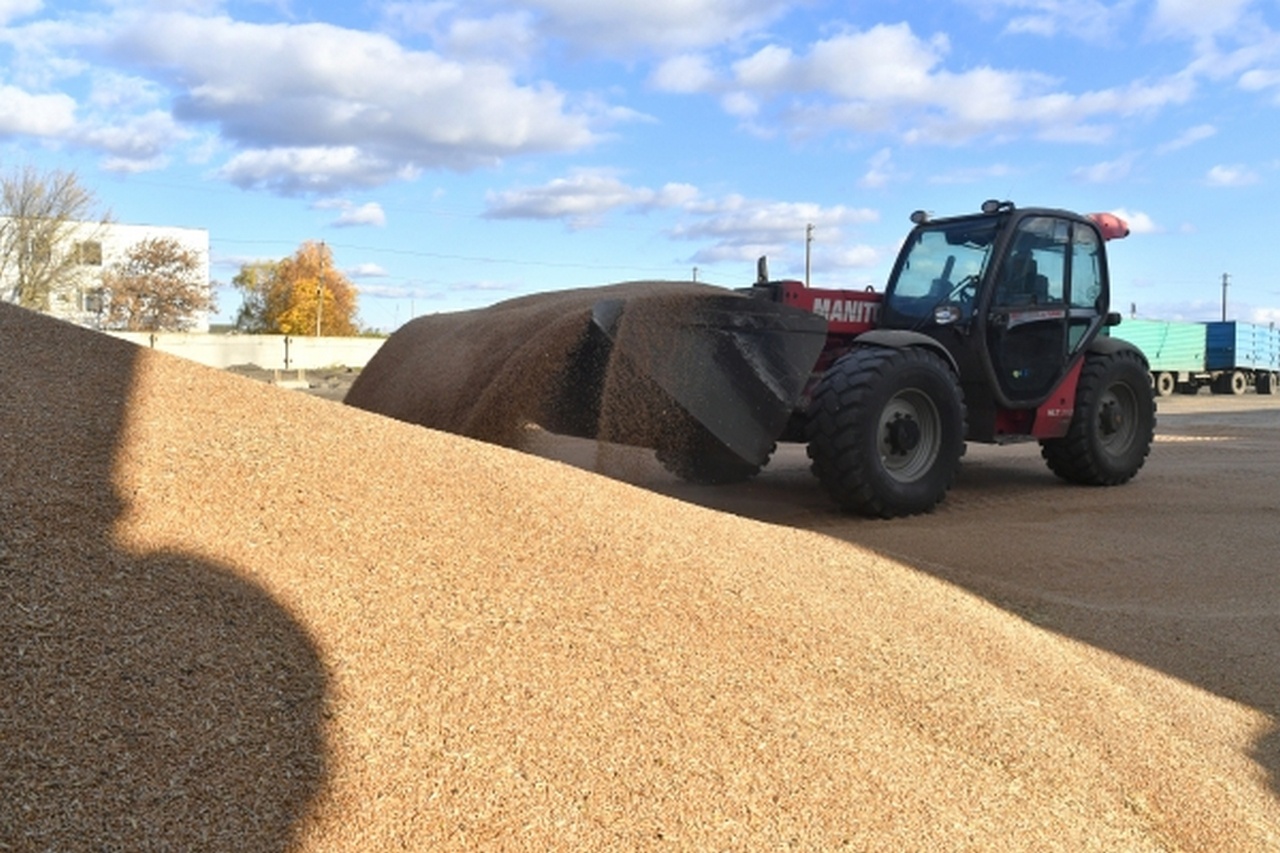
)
(1111, 432)
(886, 431)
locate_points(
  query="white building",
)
(97, 247)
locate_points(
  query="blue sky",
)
(454, 154)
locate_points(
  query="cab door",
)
(1032, 327)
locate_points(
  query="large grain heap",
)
(233, 618)
(490, 372)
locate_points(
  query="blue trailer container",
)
(1238, 355)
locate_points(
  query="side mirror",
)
(1114, 318)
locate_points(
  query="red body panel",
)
(848, 312)
(1051, 419)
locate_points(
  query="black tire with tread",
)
(871, 398)
(1113, 427)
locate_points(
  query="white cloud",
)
(1197, 18)
(36, 115)
(509, 37)
(584, 198)
(1138, 222)
(1188, 137)
(887, 79)
(134, 143)
(879, 170)
(663, 26)
(11, 10)
(1231, 176)
(849, 257)
(338, 107)
(415, 17)
(369, 270)
(742, 229)
(1091, 20)
(1262, 80)
(369, 213)
(304, 170)
(1259, 78)
(973, 175)
(740, 105)
(1107, 172)
(683, 74)
(1265, 316)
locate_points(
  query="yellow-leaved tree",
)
(304, 294)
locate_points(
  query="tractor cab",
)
(1013, 295)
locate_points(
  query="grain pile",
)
(235, 618)
(491, 372)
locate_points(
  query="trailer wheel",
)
(886, 431)
(1111, 432)
(1266, 383)
(1165, 383)
(1233, 382)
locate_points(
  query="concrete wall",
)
(273, 352)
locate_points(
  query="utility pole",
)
(1225, 280)
(808, 245)
(695, 273)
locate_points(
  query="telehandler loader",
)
(991, 328)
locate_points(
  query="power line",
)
(470, 258)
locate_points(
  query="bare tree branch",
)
(43, 215)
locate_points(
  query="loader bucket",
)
(734, 364)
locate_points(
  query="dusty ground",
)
(238, 617)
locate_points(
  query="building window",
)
(93, 303)
(89, 253)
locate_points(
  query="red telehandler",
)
(991, 328)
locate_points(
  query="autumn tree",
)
(304, 294)
(44, 217)
(254, 281)
(157, 287)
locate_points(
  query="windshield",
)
(942, 263)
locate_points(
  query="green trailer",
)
(1227, 357)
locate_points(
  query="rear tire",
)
(1165, 384)
(886, 431)
(1111, 432)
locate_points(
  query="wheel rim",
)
(1117, 419)
(910, 435)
